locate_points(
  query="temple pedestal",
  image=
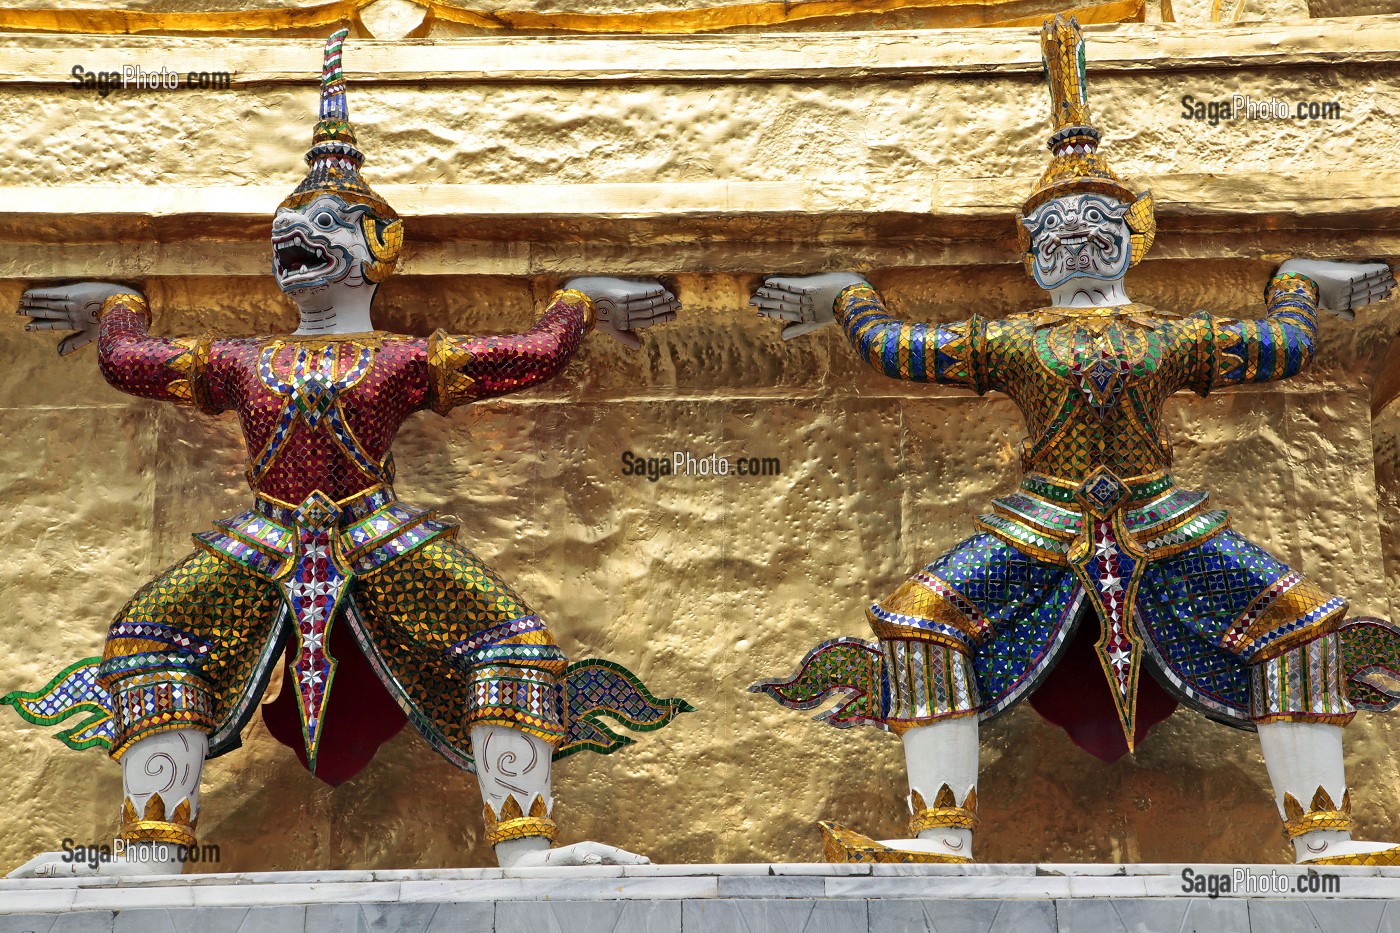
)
(783, 898)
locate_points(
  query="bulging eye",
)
(324, 219)
(1051, 221)
(1094, 215)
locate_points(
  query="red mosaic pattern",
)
(348, 452)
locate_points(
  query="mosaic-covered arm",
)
(166, 369)
(1277, 346)
(951, 354)
(466, 369)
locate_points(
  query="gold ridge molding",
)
(137, 22)
(966, 14)
(522, 230)
(962, 14)
(1302, 194)
(47, 60)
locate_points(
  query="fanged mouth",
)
(297, 257)
(1074, 244)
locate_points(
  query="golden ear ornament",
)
(385, 250)
(1142, 224)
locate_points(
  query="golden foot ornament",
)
(1386, 857)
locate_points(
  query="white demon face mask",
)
(1078, 236)
(319, 245)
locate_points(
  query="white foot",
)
(580, 853)
(1328, 844)
(949, 841)
(937, 845)
(76, 864)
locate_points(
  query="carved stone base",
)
(713, 899)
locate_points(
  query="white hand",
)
(580, 853)
(1344, 286)
(626, 305)
(806, 302)
(68, 307)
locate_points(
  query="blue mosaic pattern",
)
(1028, 602)
(1184, 605)
(1276, 348)
(1187, 602)
(594, 688)
(901, 350)
(1012, 662)
(1206, 588)
(1211, 678)
(1005, 584)
(73, 691)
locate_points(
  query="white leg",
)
(513, 764)
(514, 770)
(944, 752)
(168, 764)
(1302, 757)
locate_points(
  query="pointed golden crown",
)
(154, 826)
(1075, 164)
(334, 167)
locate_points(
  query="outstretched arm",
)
(1280, 344)
(951, 354)
(118, 318)
(467, 369)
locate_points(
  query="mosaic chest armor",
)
(1092, 385)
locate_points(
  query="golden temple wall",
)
(710, 159)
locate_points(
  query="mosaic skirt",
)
(1212, 618)
(195, 649)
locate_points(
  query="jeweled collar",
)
(371, 339)
(1095, 318)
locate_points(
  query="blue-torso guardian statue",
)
(1099, 533)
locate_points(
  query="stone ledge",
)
(34, 59)
(703, 898)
